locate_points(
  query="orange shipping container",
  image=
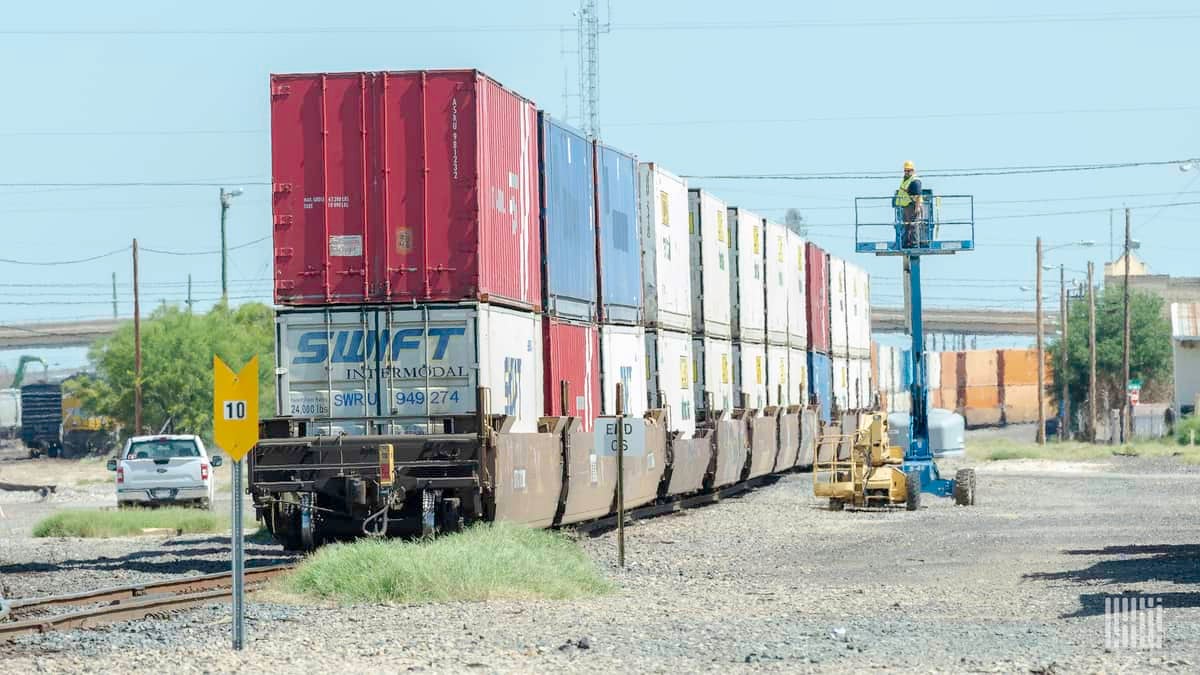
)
(949, 370)
(1020, 367)
(982, 368)
(983, 397)
(935, 398)
(982, 417)
(950, 398)
(1020, 404)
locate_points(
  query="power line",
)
(132, 132)
(943, 173)
(214, 252)
(133, 184)
(75, 261)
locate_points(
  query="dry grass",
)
(1002, 449)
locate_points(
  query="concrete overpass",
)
(883, 320)
(56, 334)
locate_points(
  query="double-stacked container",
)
(667, 292)
(566, 177)
(820, 364)
(858, 336)
(839, 336)
(797, 308)
(407, 249)
(747, 296)
(777, 281)
(619, 251)
(711, 267)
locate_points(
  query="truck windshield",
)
(163, 449)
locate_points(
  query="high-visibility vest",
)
(903, 199)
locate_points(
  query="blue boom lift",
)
(946, 227)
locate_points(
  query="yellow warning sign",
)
(235, 407)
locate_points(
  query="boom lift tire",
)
(912, 489)
(964, 487)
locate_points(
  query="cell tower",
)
(589, 29)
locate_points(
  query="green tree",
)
(1149, 354)
(177, 353)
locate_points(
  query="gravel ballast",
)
(770, 580)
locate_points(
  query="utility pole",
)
(189, 296)
(1092, 393)
(1041, 353)
(114, 279)
(1064, 422)
(226, 199)
(137, 348)
(1126, 411)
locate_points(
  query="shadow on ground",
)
(1124, 568)
(172, 559)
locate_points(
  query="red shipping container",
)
(400, 187)
(572, 353)
(816, 265)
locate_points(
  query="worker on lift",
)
(908, 199)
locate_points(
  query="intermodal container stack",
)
(567, 201)
(748, 307)
(408, 248)
(858, 336)
(797, 307)
(619, 251)
(820, 365)
(711, 266)
(981, 398)
(666, 275)
(777, 283)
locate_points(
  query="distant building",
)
(1184, 290)
(1116, 268)
(1185, 348)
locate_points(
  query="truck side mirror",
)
(112, 465)
(216, 461)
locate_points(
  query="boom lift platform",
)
(946, 227)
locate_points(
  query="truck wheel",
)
(52, 451)
(912, 489)
(836, 505)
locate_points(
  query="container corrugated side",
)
(864, 384)
(983, 368)
(797, 302)
(778, 375)
(747, 304)
(817, 294)
(841, 382)
(712, 361)
(403, 186)
(572, 355)
(820, 382)
(568, 211)
(797, 389)
(777, 281)
(666, 253)
(330, 365)
(623, 359)
(707, 224)
(839, 308)
(620, 249)
(750, 374)
(858, 314)
(669, 378)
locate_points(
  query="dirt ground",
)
(771, 580)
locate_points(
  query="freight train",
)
(464, 284)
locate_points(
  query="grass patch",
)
(485, 562)
(93, 481)
(1000, 449)
(94, 523)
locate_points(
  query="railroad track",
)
(126, 603)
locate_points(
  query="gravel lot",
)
(767, 581)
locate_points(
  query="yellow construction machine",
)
(873, 474)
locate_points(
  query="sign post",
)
(235, 429)
(1135, 391)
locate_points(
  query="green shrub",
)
(491, 561)
(95, 523)
(1184, 430)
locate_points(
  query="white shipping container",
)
(797, 376)
(797, 293)
(709, 234)
(900, 402)
(841, 383)
(884, 358)
(778, 375)
(838, 310)
(419, 365)
(750, 373)
(623, 359)
(746, 277)
(712, 370)
(933, 373)
(10, 411)
(863, 390)
(858, 316)
(666, 251)
(669, 378)
(778, 280)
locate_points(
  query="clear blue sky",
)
(159, 91)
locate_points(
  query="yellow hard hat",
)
(908, 166)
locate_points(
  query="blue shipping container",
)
(820, 383)
(567, 189)
(620, 253)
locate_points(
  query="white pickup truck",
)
(160, 470)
